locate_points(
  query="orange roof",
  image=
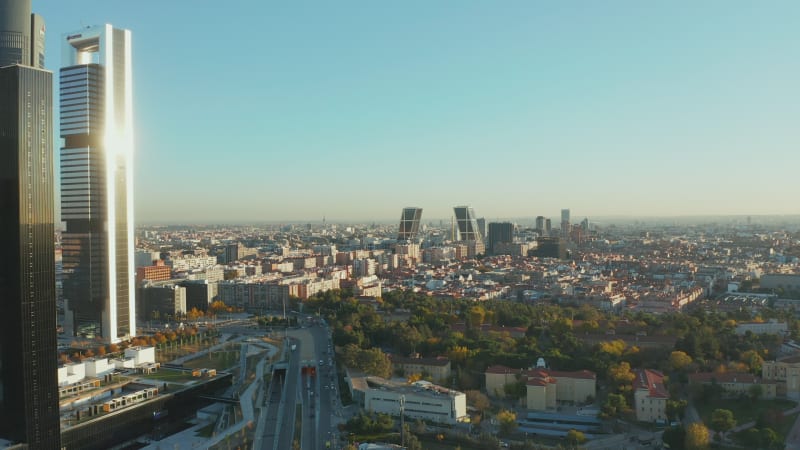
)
(653, 381)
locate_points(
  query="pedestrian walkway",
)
(188, 438)
(793, 438)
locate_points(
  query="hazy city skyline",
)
(294, 112)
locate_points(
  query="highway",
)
(318, 352)
(318, 394)
(290, 396)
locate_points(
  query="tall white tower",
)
(97, 183)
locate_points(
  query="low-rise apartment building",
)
(544, 387)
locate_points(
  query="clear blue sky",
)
(262, 110)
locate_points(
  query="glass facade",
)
(28, 353)
(409, 224)
(97, 184)
(500, 232)
(467, 224)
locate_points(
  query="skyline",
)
(353, 113)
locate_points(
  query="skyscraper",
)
(499, 232)
(540, 224)
(565, 223)
(467, 224)
(467, 229)
(409, 224)
(28, 354)
(97, 183)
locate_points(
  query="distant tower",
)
(467, 224)
(409, 224)
(97, 183)
(548, 226)
(499, 232)
(28, 342)
(482, 227)
(540, 224)
(467, 229)
(565, 223)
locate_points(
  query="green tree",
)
(696, 437)
(476, 316)
(769, 439)
(507, 420)
(722, 420)
(478, 400)
(753, 360)
(575, 437)
(621, 375)
(615, 406)
(411, 440)
(679, 360)
(676, 408)
(515, 390)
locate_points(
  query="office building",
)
(540, 224)
(409, 224)
(200, 294)
(421, 400)
(161, 300)
(565, 224)
(482, 227)
(97, 184)
(500, 232)
(28, 364)
(549, 248)
(466, 230)
(548, 226)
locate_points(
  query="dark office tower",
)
(409, 224)
(97, 184)
(548, 227)
(565, 223)
(28, 355)
(550, 248)
(540, 224)
(500, 232)
(15, 32)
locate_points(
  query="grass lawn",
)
(787, 424)
(170, 375)
(215, 360)
(743, 410)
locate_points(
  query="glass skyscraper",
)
(409, 224)
(467, 224)
(28, 352)
(467, 230)
(97, 183)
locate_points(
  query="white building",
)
(97, 183)
(141, 355)
(770, 327)
(422, 400)
(97, 367)
(71, 373)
